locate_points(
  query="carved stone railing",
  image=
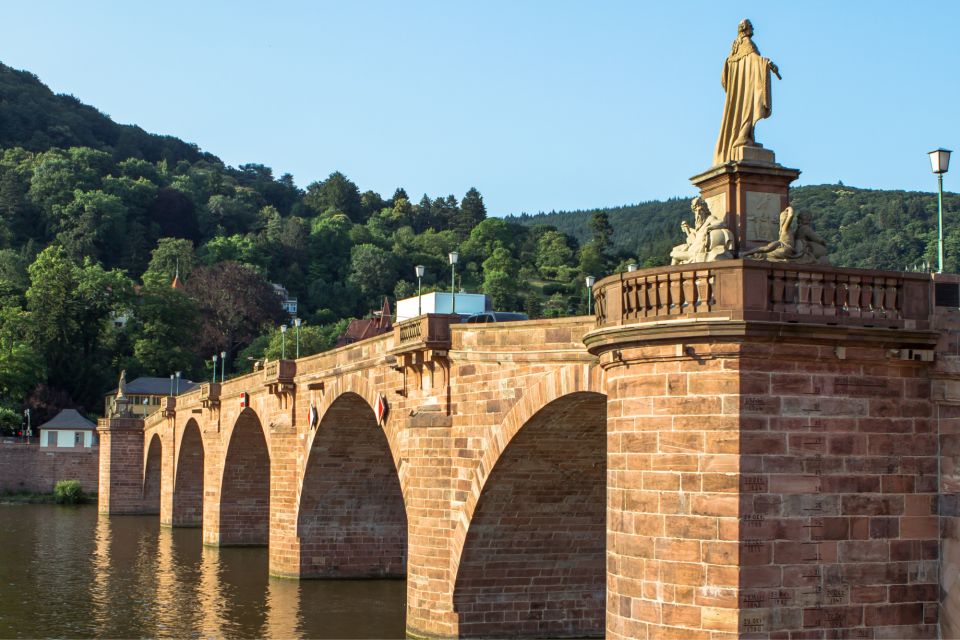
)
(429, 331)
(278, 375)
(764, 291)
(210, 395)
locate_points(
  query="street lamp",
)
(297, 322)
(171, 384)
(223, 365)
(590, 280)
(214, 369)
(178, 382)
(420, 270)
(283, 342)
(454, 257)
(939, 163)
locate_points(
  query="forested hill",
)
(34, 118)
(864, 228)
(96, 218)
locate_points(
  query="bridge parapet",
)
(765, 291)
(278, 375)
(428, 331)
(210, 395)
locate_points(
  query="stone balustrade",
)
(766, 291)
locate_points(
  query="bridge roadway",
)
(673, 467)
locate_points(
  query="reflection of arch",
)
(188, 478)
(151, 475)
(536, 518)
(351, 518)
(245, 484)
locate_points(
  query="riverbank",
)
(28, 497)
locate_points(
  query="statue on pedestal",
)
(798, 242)
(746, 80)
(708, 240)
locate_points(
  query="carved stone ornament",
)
(708, 240)
(798, 242)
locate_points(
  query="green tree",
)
(171, 256)
(553, 252)
(602, 232)
(372, 272)
(92, 224)
(472, 212)
(336, 193)
(167, 320)
(70, 305)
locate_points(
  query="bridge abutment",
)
(773, 453)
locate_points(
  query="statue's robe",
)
(746, 79)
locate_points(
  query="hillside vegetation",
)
(865, 228)
(97, 218)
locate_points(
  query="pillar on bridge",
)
(772, 452)
(121, 466)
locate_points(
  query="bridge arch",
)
(188, 478)
(245, 484)
(532, 532)
(152, 475)
(351, 516)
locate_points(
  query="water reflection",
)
(68, 572)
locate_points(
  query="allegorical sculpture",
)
(746, 80)
(708, 240)
(798, 242)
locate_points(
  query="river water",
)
(67, 572)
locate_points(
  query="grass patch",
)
(68, 492)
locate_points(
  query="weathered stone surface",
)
(650, 484)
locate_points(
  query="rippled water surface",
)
(67, 572)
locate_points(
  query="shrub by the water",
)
(68, 492)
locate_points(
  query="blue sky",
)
(540, 105)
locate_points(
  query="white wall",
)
(64, 438)
(438, 302)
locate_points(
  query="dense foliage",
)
(864, 228)
(96, 219)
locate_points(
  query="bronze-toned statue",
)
(708, 240)
(746, 79)
(798, 242)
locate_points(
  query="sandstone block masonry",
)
(741, 450)
(28, 467)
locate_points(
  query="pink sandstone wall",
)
(35, 469)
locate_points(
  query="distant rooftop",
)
(68, 419)
(146, 386)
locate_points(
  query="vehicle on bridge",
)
(494, 316)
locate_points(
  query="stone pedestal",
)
(751, 192)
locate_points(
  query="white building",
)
(68, 429)
(438, 302)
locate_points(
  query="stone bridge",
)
(734, 449)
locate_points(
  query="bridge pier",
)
(121, 466)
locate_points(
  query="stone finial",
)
(708, 240)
